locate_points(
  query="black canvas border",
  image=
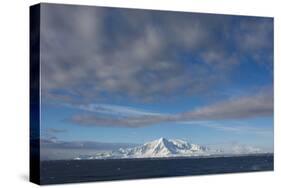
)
(34, 102)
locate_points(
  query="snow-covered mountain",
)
(170, 148)
(159, 148)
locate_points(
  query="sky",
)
(131, 76)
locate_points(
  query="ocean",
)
(72, 171)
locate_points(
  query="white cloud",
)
(231, 126)
(121, 111)
(136, 54)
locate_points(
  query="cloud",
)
(55, 130)
(132, 122)
(257, 105)
(254, 34)
(116, 110)
(235, 126)
(54, 149)
(252, 38)
(90, 53)
(51, 133)
(59, 144)
(251, 106)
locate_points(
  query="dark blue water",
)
(54, 172)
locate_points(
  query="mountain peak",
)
(162, 139)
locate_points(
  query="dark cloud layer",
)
(90, 53)
(258, 105)
(252, 106)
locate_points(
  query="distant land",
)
(164, 147)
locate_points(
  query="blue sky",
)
(131, 76)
